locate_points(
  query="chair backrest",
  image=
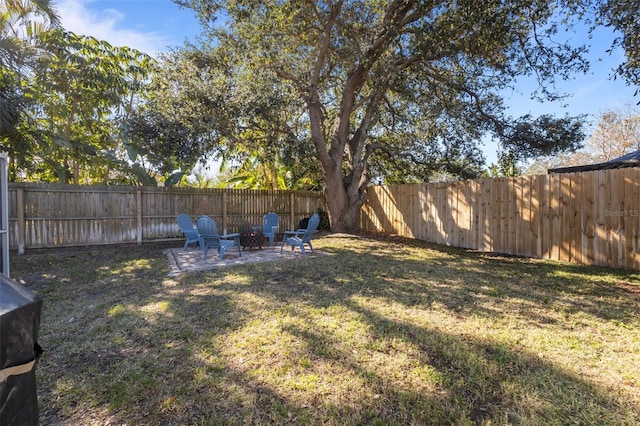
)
(269, 220)
(208, 230)
(185, 224)
(314, 221)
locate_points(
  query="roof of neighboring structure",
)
(631, 159)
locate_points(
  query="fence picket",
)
(54, 215)
(589, 217)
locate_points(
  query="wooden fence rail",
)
(54, 215)
(590, 218)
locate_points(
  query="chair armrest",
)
(294, 233)
(271, 229)
(234, 235)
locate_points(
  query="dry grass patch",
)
(378, 331)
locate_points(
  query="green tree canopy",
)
(369, 74)
(176, 125)
(616, 133)
(622, 15)
(21, 24)
(204, 104)
(82, 89)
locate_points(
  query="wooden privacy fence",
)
(590, 217)
(55, 215)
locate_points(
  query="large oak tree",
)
(401, 81)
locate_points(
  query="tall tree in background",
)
(204, 104)
(174, 128)
(22, 22)
(83, 89)
(617, 133)
(369, 73)
(62, 97)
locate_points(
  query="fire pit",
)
(251, 240)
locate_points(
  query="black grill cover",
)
(20, 310)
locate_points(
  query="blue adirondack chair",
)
(301, 237)
(210, 239)
(187, 228)
(270, 223)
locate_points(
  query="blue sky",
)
(146, 25)
(153, 25)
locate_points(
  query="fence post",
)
(224, 211)
(139, 216)
(293, 210)
(20, 219)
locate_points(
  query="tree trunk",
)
(344, 197)
(76, 172)
(344, 213)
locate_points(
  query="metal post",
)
(4, 213)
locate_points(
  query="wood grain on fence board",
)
(588, 217)
(54, 215)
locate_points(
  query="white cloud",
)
(104, 25)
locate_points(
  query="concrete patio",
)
(191, 259)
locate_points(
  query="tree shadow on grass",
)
(469, 381)
(306, 342)
(482, 379)
(461, 278)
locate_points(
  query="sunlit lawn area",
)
(375, 331)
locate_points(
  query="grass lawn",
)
(374, 332)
